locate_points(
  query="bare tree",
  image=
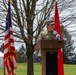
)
(28, 19)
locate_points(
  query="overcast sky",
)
(64, 13)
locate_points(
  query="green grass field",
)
(22, 69)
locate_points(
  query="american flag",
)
(9, 48)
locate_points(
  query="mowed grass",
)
(70, 69)
(22, 69)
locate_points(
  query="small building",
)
(1, 60)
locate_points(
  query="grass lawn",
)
(22, 69)
(70, 69)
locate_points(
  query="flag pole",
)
(11, 53)
(12, 64)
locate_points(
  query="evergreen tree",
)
(21, 54)
(1, 48)
(68, 50)
(74, 58)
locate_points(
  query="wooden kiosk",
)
(49, 55)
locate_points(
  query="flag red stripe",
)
(6, 55)
(6, 37)
(6, 46)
